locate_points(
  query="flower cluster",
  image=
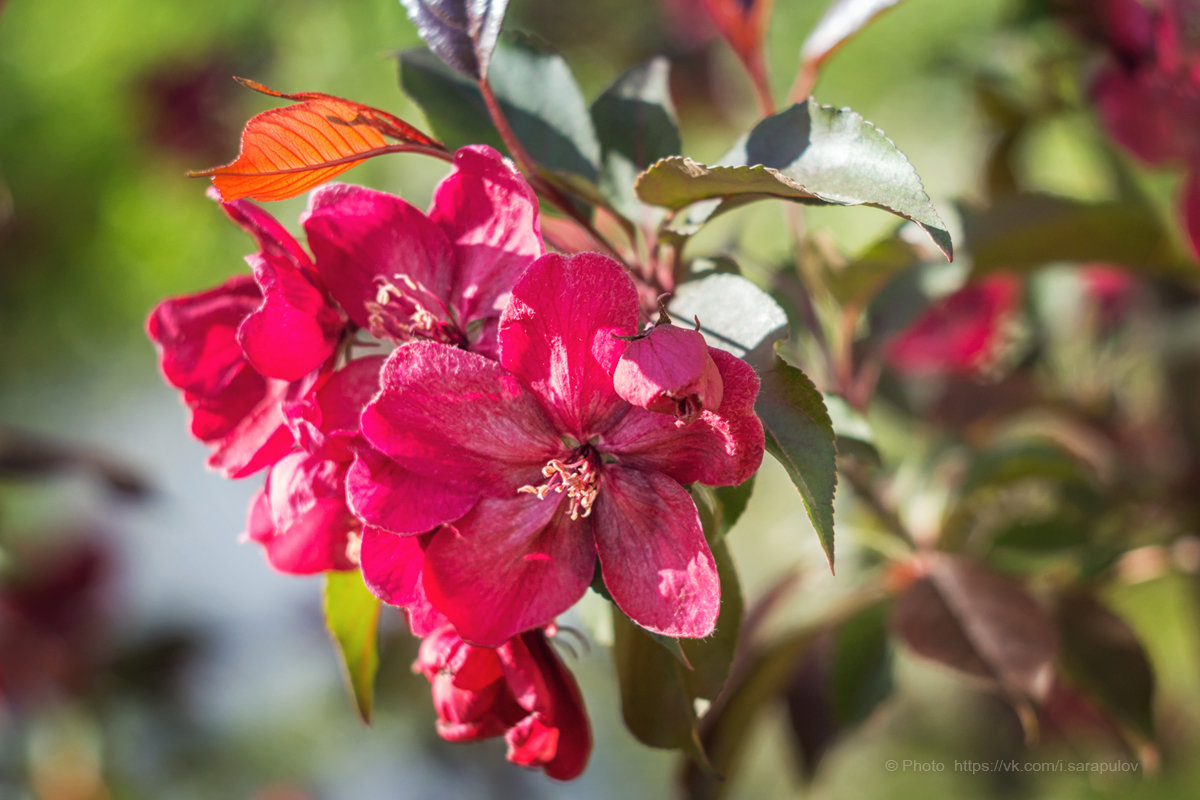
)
(1148, 90)
(473, 423)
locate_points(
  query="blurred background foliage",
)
(144, 654)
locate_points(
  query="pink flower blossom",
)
(403, 275)
(520, 690)
(535, 467)
(235, 410)
(959, 334)
(669, 370)
(300, 516)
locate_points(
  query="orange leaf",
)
(286, 151)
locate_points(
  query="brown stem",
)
(530, 168)
(805, 82)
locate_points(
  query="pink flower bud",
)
(670, 370)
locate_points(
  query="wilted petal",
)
(490, 215)
(509, 565)
(653, 555)
(459, 418)
(557, 334)
(387, 495)
(366, 241)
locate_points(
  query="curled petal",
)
(669, 370)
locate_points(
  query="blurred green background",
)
(215, 678)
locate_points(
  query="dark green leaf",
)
(1103, 657)
(734, 500)
(808, 152)
(720, 507)
(735, 315)
(859, 280)
(635, 122)
(860, 666)
(800, 435)
(727, 726)
(658, 692)
(352, 618)
(536, 92)
(1027, 231)
(1023, 460)
(841, 20)
(461, 32)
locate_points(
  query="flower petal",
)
(653, 555)
(544, 686)
(721, 448)
(490, 215)
(363, 239)
(385, 494)
(509, 565)
(391, 568)
(326, 423)
(557, 334)
(459, 418)
(273, 239)
(296, 329)
(301, 519)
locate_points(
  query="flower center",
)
(401, 310)
(578, 478)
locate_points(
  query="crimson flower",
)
(300, 515)
(520, 690)
(959, 334)
(403, 275)
(235, 410)
(535, 467)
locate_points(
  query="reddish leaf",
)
(286, 151)
(974, 621)
(743, 23)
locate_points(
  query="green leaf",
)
(1027, 459)
(860, 666)
(636, 124)
(735, 315)
(536, 92)
(658, 692)
(352, 618)
(461, 32)
(809, 152)
(1103, 657)
(859, 280)
(800, 435)
(1027, 231)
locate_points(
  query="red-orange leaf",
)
(286, 151)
